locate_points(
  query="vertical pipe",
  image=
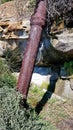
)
(37, 23)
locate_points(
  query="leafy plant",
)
(6, 78)
(35, 94)
(13, 117)
(69, 67)
(13, 58)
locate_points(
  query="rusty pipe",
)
(37, 23)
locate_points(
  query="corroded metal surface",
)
(37, 23)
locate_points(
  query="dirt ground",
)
(57, 111)
(66, 124)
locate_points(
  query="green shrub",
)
(6, 78)
(13, 117)
(69, 67)
(13, 58)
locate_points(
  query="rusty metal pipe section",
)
(37, 23)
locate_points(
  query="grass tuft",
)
(6, 78)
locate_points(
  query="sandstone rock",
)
(14, 11)
(12, 27)
(26, 25)
(8, 12)
(64, 41)
(63, 88)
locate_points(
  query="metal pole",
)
(37, 23)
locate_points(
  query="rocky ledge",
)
(14, 33)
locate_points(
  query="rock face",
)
(8, 12)
(64, 88)
(53, 49)
(13, 28)
(58, 48)
(14, 33)
(14, 11)
(64, 42)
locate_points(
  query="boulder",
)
(64, 42)
(57, 48)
